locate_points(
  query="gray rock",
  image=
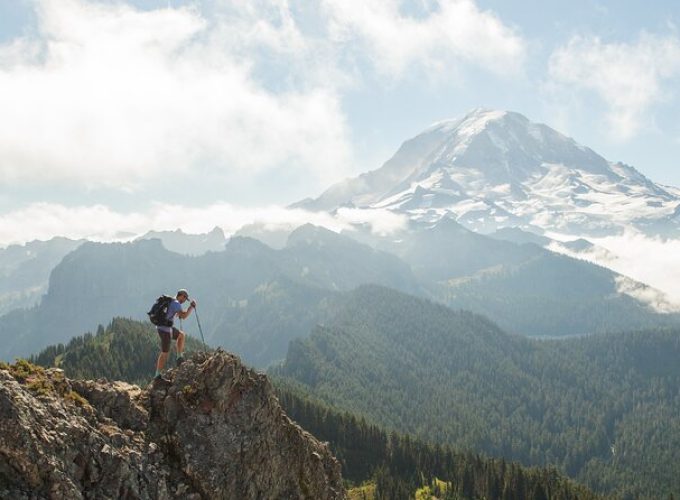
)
(216, 430)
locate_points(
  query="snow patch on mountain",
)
(494, 169)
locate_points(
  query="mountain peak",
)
(477, 119)
(491, 169)
(506, 146)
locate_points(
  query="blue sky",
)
(111, 111)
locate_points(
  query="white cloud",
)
(443, 34)
(653, 297)
(104, 94)
(630, 78)
(43, 221)
(382, 221)
(110, 95)
(652, 261)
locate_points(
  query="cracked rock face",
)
(214, 430)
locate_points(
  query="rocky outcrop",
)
(214, 430)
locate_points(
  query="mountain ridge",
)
(99, 281)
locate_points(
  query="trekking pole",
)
(200, 329)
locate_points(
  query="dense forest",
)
(400, 465)
(395, 465)
(605, 409)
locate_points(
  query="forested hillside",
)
(399, 465)
(395, 465)
(523, 288)
(124, 350)
(604, 409)
(550, 294)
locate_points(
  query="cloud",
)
(652, 261)
(653, 297)
(43, 221)
(103, 94)
(438, 35)
(381, 221)
(630, 78)
(106, 94)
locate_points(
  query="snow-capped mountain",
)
(494, 169)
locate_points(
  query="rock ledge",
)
(214, 430)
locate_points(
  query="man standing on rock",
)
(165, 332)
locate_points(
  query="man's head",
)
(182, 295)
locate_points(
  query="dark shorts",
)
(165, 337)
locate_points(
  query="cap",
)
(182, 291)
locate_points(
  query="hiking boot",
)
(180, 360)
(160, 379)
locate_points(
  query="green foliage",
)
(124, 350)
(23, 370)
(605, 409)
(399, 466)
(365, 491)
(76, 398)
(42, 382)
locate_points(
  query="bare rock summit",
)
(213, 430)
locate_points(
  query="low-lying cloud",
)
(42, 221)
(649, 260)
(653, 297)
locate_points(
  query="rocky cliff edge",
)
(214, 430)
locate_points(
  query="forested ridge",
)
(123, 350)
(605, 409)
(396, 465)
(551, 294)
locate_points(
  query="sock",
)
(180, 354)
(158, 372)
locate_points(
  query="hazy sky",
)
(117, 116)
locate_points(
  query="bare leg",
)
(162, 358)
(180, 343)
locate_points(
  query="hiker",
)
(166, 331)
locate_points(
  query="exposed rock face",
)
(215, 430)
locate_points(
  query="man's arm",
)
(185, 314)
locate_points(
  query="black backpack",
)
(158, 314)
